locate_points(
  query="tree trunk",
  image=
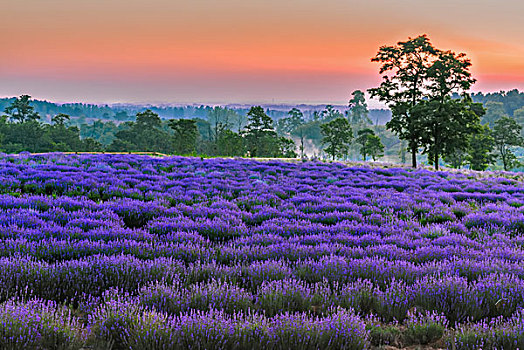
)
(436, 160)
(414, 157)
(503, 156)
(302, 146)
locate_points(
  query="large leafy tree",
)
(447, 122)
(507, 133)
(405, 78)
(337, 135)
(20, 110)
(446, 126)
(186, 135)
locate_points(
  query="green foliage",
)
(405, 67)
(290, 123)
(145, 134)
(480, 149)
(330, 114)
(446, 125)
(494, 111)
(21, 111)
(337, 135)
(27, 136)
(507, 133)
(148, 120)
(370, 144)
(260, 137)
(186, 135)
(230, 144)
(424, 328)
(105, 133)
(286, 147)
(60, 119)
(384, 335)
(420, 85)
(221, 119)
(519, 116)
(358, 109)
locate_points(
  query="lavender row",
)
(169, 286)
(120, 323)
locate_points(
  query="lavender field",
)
(135, 252)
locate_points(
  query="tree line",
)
(224, 132)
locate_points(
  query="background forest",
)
(230, 130)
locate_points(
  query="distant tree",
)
(494, 111)
(301, 133)
(29, 136)
(261, 139)
(121, 116)
(405, 67)
(146, 134)
(21, 111)
(186, 135)
(518, 114)
(456, 159)
(286, 148)
(90, 145)
(220, 119)
(358, 109)
(121, 145)
(240, 122)
(292, 125)
(105, 133)
(230, 144)
(288, 124)
(337, 134)
(330, 113)
(148, 119)
(375, 147)
(481, 145)
(362, 140)
(370, 144)
(507, 133)
(60, 119)
(294, 120)
(63, 138)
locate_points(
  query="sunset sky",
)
(249, 51)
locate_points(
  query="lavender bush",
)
(137, 252)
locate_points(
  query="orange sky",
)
(239, 50)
